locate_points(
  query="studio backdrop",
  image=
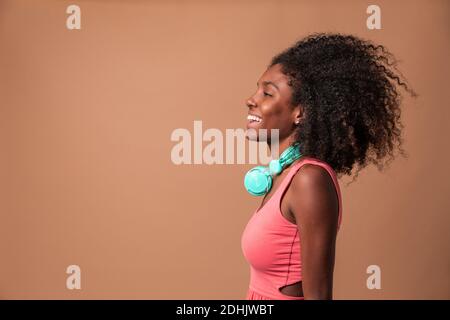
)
(93, 95)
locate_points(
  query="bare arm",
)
(315, 207)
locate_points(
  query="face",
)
(270, 106)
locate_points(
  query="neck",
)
(283, 145)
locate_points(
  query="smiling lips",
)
(253, 118)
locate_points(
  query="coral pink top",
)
(271, 243)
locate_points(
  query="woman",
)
(335, 98)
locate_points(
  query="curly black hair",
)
(348, 89)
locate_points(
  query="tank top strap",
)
(294, 169)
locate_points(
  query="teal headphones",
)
(258, 180)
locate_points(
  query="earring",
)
(297, 122)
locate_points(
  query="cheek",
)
(275, 116)
(271, 111)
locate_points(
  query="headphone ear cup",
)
(258, 181)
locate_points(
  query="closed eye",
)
(266, 94)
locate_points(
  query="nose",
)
(250, 103)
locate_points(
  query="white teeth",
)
(253, 118)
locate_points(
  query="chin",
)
(253, 134)
(251, 138)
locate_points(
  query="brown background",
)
(86, 176)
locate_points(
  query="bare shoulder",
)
(313, 194)
(311, 175)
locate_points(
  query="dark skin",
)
(310, 201)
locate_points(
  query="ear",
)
(299, 114)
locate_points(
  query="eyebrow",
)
(269, 82)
